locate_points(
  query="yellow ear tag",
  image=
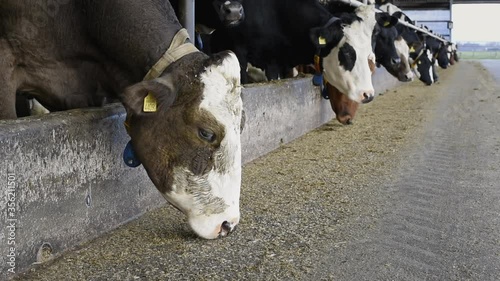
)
(387, 23)
(412, 50)
(322, 40)
(149, 103)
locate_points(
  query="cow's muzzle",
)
(226, 228)
(367, 97)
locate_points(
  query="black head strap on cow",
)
(177, 49)
(318, 79)
(435, 55)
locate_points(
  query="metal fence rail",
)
(356, 3)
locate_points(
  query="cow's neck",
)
(138, 32)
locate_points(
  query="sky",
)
(476, 22)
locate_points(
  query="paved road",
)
(493, 67)
(386, 199)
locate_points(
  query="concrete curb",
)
(65, 175)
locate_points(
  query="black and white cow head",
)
(421, 63)
(190, 146)
(402, 71)
(347, 51)
(443, 56)
(438, 50)
(385, 50)
(452, 53)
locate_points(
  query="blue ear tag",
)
(198, 41)
(318, 79)
(324, 93)
(129, 156)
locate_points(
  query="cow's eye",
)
(206, 135)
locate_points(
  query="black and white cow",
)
(422, 65)
(392, 52)
(211, 15)
(277, 35)
(439, 49)
(80, 53)
(420, 59)
(453, 53)
(269, 39)
(401, 70)
(383, 41)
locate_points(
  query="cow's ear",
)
(386, 20)
(398, 15)
(149, 96)
(322, 36)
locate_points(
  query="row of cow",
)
(184, 110)
(278, 35)
(419, 54)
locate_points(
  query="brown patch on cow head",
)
(372, 66)
(344, 108)
(190, 146)
(452, 58)
(177, 134)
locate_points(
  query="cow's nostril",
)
(367, 98)
(226, 227)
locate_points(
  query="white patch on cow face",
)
(414, 67)
(429, 55)
(212, 198)
(357, 82)
(416, 72)
(403, 52)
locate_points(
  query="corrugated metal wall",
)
(436, 20)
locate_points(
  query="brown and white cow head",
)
(349, 42)
(345, 109)
(190, 147)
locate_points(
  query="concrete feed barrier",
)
(63, 181)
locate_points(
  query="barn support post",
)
(186, 16)
(451, 20)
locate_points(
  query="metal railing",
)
(186, 16)
(356, 3)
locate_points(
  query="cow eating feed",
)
(81, 53)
